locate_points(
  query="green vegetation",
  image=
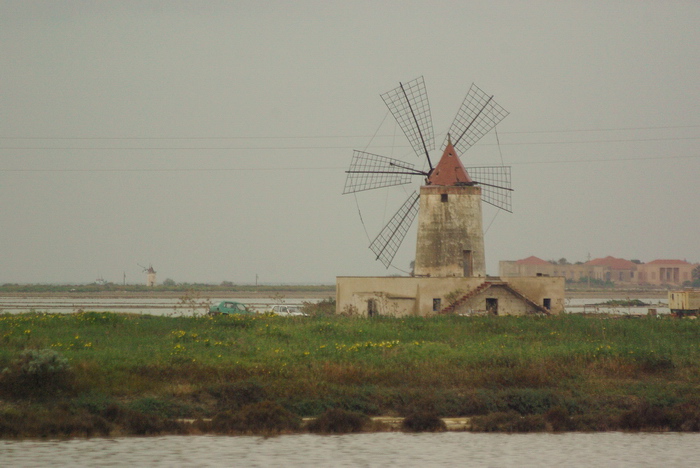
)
(625, 303)
(95, 373)
(586, 281)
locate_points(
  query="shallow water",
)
(151, 306)
(174, 306)
(366, 450)
(596, 306)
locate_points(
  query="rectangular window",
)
(547, 303)
(443, 197)
(437, 304)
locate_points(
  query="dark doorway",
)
(547, 303)
(492, 305)
(372, 308)
(437, 304)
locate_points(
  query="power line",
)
(341, 168)
(290, 148)
(318, 137)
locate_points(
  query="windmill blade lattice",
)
(495, 185)
(370, 171)
(389, 240)
(477, 115)
(411, 109)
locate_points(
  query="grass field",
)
(507, 373)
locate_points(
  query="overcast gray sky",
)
(210, 139)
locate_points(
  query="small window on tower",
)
(443, 197)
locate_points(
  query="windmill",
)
(450, 233)
(150, 274)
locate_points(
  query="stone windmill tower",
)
(450, 241)
(150, 275)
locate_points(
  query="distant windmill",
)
(450, 233)
(150, 275)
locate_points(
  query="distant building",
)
(616, 270)
(661, 272)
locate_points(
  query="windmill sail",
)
(495, 185)
(387, 243)
(370, 171)
(477, 115)
(411, 109)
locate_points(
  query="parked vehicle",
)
(287, 311)
(229, 308)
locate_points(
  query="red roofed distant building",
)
(619, 270)
(616, 270)
(532, 260)
(661, 272)
(613, 263)
(530, 266)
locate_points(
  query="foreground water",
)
(365, 450)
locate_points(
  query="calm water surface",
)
(611, 449)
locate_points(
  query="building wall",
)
(571, 272)
(507, 304)
(582, 271)
(402, 296)
(659, 273)
(449, 224)
(538, 288)
(513, 268)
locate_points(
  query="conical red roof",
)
(449, 170)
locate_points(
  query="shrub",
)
(236, 395)
(645, 416)
(338, 421)
(423, 422)
(323, 308)
(43, 372)
(529, 401)
(686, 417)
(266, 417)
(559, 419)
(51, 423)
(161, 408)
(137, 423)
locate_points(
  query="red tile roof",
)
(532, 260)
(613, 263)
(668, 262)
